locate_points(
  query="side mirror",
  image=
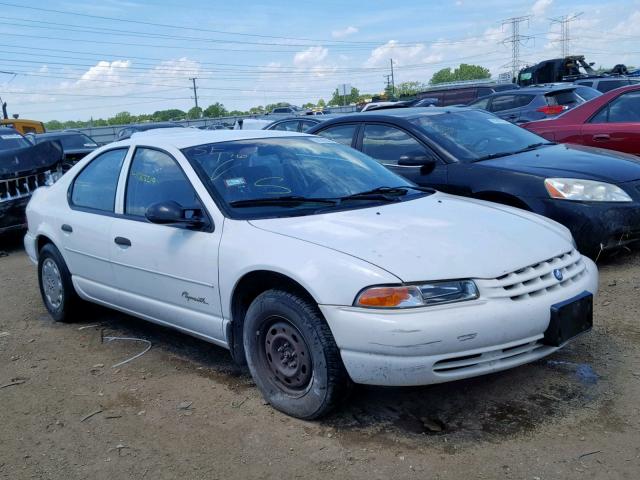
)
(417, 161)
(172, 213)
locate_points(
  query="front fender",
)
(330, 277)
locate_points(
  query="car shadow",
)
(483, 408)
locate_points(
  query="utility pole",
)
(565, 38)
(515, 39)
(388, 80)
(393, 82)
(195, 90)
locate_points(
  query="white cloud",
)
(170, 69)
(540, 7)
(310, 56)
(105, 71)
(350, 30)
(43, 69)
(404, 55)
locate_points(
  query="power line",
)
(565, 38)
(516, 40)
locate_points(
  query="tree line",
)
(215, 110)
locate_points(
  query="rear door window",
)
(306, 125)
(289, 126)
(340, 133)
(503, 102)
(387, 144)
(606, 85)
(95, 186)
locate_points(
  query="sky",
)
(68, 60)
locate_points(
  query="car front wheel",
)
(56, 287)
(292, 355)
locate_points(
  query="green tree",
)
(409, 89)
(121, 118)
(463, 72)
(338, 99)
(321, 103)
(194, 112)
(215, 110)
(166, 115)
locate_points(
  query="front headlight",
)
(427, 294)
(584, 190)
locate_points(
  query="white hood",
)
(436, 237)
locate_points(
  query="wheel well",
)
(245, 292)
(41, 242)
(503, 198)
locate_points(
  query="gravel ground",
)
(184, 410)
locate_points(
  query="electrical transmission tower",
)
(565, 38)
(516, 39)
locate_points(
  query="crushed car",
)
(23, 168)
(75, 145)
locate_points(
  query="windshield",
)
(9, 141)
(72, 142)
(471, 135)
(292, 176)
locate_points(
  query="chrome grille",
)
(537, 279)
(20, 187)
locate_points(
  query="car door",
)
(387, 143)
(616, 125)
(167, 273)
(341, 133)
(287, 125)
(505, 106)
(86, 225)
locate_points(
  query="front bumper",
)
(12, 214)
(595, 226)
(438, 344)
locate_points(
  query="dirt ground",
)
(184, 410)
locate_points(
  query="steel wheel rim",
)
(287, 356)
(52, 283)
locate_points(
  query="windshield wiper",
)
(385, 193)
(533, 146)
(283, 200)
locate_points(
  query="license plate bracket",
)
(569, 319)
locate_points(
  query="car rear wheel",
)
(56, 288)
(292, 355)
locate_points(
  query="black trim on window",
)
(209, 224)
(73, 182)
(424, 144)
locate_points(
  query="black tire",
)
(65, 307)
(314, 380)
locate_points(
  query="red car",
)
(609, 121)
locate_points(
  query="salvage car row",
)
(369, 270)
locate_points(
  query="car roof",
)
(190, 137)
(9, 131)
(406, 113)
(57, 134)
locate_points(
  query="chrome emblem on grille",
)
(558, 274)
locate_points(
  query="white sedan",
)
(308, 260)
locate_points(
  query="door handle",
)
(66, 228)
(601, 137)
(123, 242)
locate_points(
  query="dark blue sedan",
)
(464, 151)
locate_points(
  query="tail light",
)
(552, 109)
